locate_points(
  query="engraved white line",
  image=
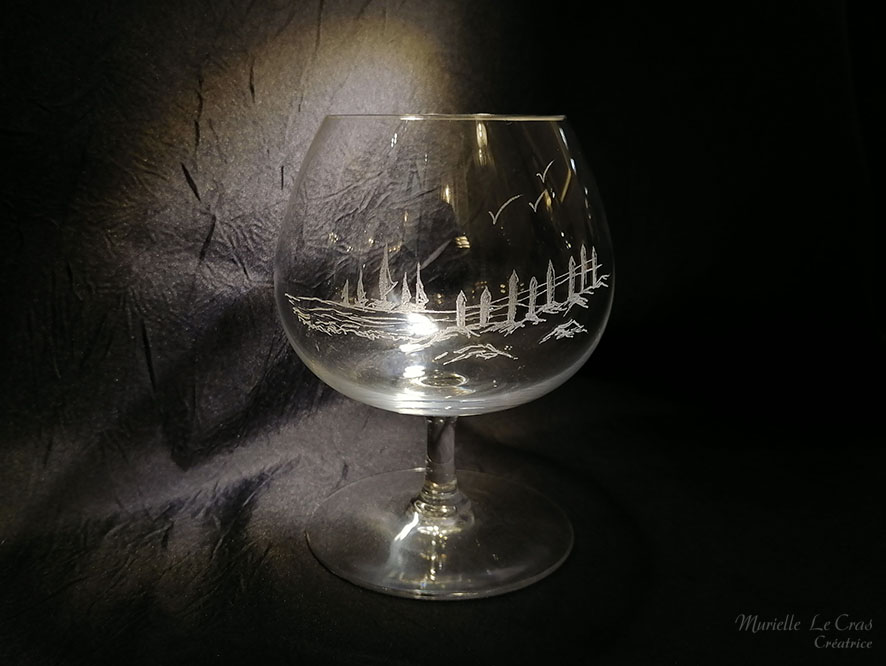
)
(436, 253)
(503, 206)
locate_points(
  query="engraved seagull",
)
(502, 207)
(534, 206)
(544, 175)
(541, 177)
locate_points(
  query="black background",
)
(719, 454)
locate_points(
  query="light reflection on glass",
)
(407, 528)
(420, 325)
(481, 143)
(414, 371)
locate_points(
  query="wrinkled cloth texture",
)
(162, 446)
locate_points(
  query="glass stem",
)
(440, 497)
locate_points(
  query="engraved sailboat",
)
(385, 283)
(421, 299)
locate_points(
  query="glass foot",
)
(499, 536)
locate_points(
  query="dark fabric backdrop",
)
(162, 445)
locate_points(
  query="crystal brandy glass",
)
(443, 266)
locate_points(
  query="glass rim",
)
(508, 117)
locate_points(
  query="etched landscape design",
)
(409, 321)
